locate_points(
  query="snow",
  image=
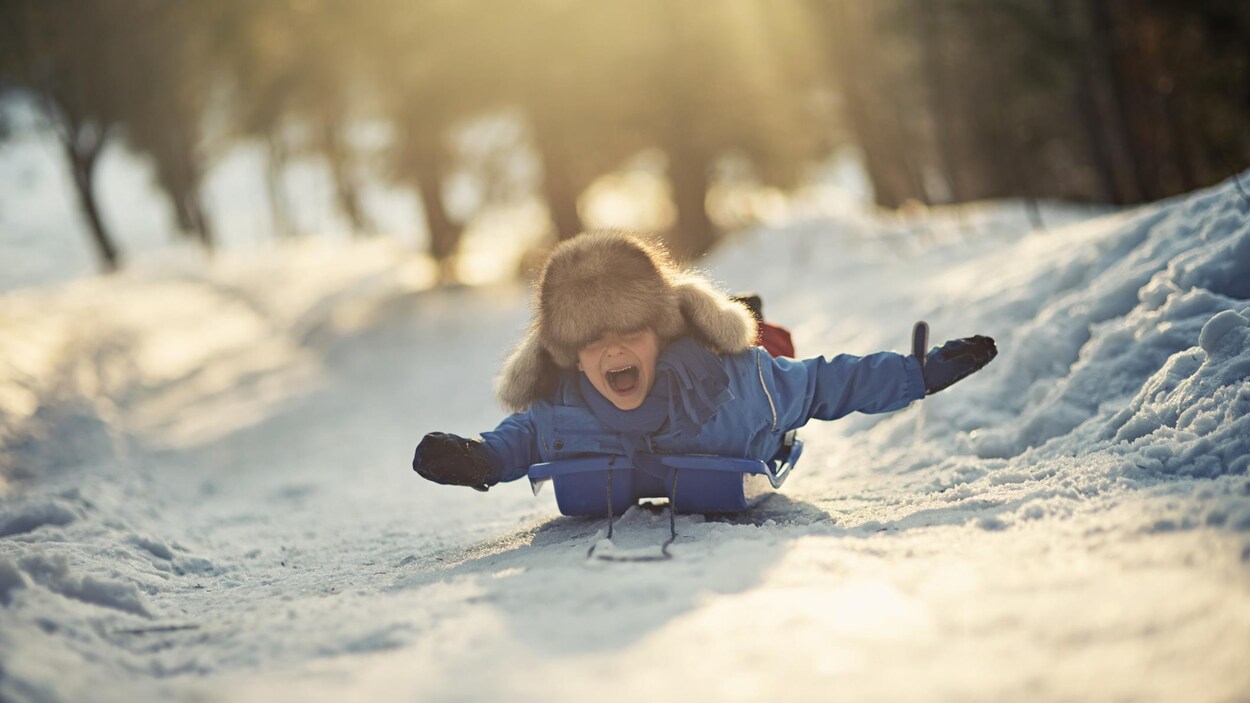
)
(206, 493)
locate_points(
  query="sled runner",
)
(693, 483)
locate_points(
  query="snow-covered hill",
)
(207, 494)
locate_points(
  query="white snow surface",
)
(207, 494)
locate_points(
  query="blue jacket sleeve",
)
(514, 444)
(827, 389)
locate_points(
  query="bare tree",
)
(164, 98)
(433, 65)
(69, 55)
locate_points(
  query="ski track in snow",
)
(206, 493)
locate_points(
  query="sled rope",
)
(672, 527)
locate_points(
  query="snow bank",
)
(1135, 367)
(209, 496)
(1197, 407)
(1135, 305)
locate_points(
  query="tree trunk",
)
(1181, 139)
(687, 149)
(199, 216)
(82, 149)
(275, 167)
(558, 185)
(182, 213)
(1108, 43)
(845, 23)
(1034, 211)
(427, 170)
(688, 174)
(1086, 106)
(346, 190)
(183, 192)
(939, 94)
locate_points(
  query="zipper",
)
(760, 368)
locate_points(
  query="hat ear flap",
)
(528, 375)
(724, 325)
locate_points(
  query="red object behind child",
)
(775, 340)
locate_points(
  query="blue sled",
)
(705, 483)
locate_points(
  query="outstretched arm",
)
(827, 389)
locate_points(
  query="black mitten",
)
(454, 461)
(955, 361)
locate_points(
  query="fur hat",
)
(612, 281)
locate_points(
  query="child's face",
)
(621, 366)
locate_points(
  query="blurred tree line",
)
(947, 101)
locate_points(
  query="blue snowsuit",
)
(746, 412)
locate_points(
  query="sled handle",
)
(920, 341)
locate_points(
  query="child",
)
(628, 354)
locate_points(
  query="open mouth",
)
(623, 380)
